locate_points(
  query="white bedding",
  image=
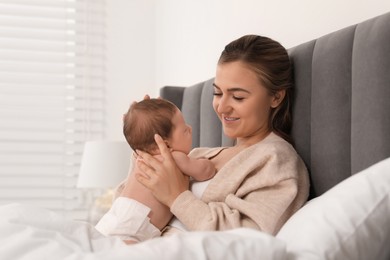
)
(33, 233)
(348, 222)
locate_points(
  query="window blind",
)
(52, 84)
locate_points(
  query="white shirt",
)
(197, 188)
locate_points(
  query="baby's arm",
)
(200, 169)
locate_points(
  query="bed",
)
(341, 129)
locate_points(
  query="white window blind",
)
(52, 81)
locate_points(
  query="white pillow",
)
(350, 221)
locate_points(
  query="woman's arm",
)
(201, 169)
(261, 192)
(265, 210)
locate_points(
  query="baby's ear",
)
(167, 143)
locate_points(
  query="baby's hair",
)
(146, 118)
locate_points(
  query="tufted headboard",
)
(341, 112)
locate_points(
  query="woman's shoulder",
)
(276, 155)
(282, 153)
(278, 151)
(275, 144)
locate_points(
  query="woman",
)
(261, 181)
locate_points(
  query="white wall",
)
(191, 34)
(180, 40)
(130, 58)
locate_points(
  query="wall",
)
(180, 41)
(191, 34)
(130, 58)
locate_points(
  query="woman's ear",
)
(278, 98)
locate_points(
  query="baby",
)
(142, 121)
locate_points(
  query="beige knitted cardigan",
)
(261, 187)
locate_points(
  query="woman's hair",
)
(146, 118)
(270, 61)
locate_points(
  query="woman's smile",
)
(229, 119)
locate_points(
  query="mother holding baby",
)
(261, 180)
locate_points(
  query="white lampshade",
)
(104, 164)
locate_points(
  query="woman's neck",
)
(251, 140)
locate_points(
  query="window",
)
(52, 83)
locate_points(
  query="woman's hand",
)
(163, 178)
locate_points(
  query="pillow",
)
(349, 221)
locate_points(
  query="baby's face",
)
(181, 139)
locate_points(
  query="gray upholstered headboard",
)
(341, 113)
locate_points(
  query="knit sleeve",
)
(267, 192)
(197, 215)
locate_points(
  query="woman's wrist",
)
(177, 200)
(172, 200)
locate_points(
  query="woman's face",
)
(181, 137)
(241, 102)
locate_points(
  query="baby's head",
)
(156, 116)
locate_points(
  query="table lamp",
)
(104, 165)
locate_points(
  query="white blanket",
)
(33, 233)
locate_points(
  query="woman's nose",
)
(223, 106)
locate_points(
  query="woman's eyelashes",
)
(237, 98)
